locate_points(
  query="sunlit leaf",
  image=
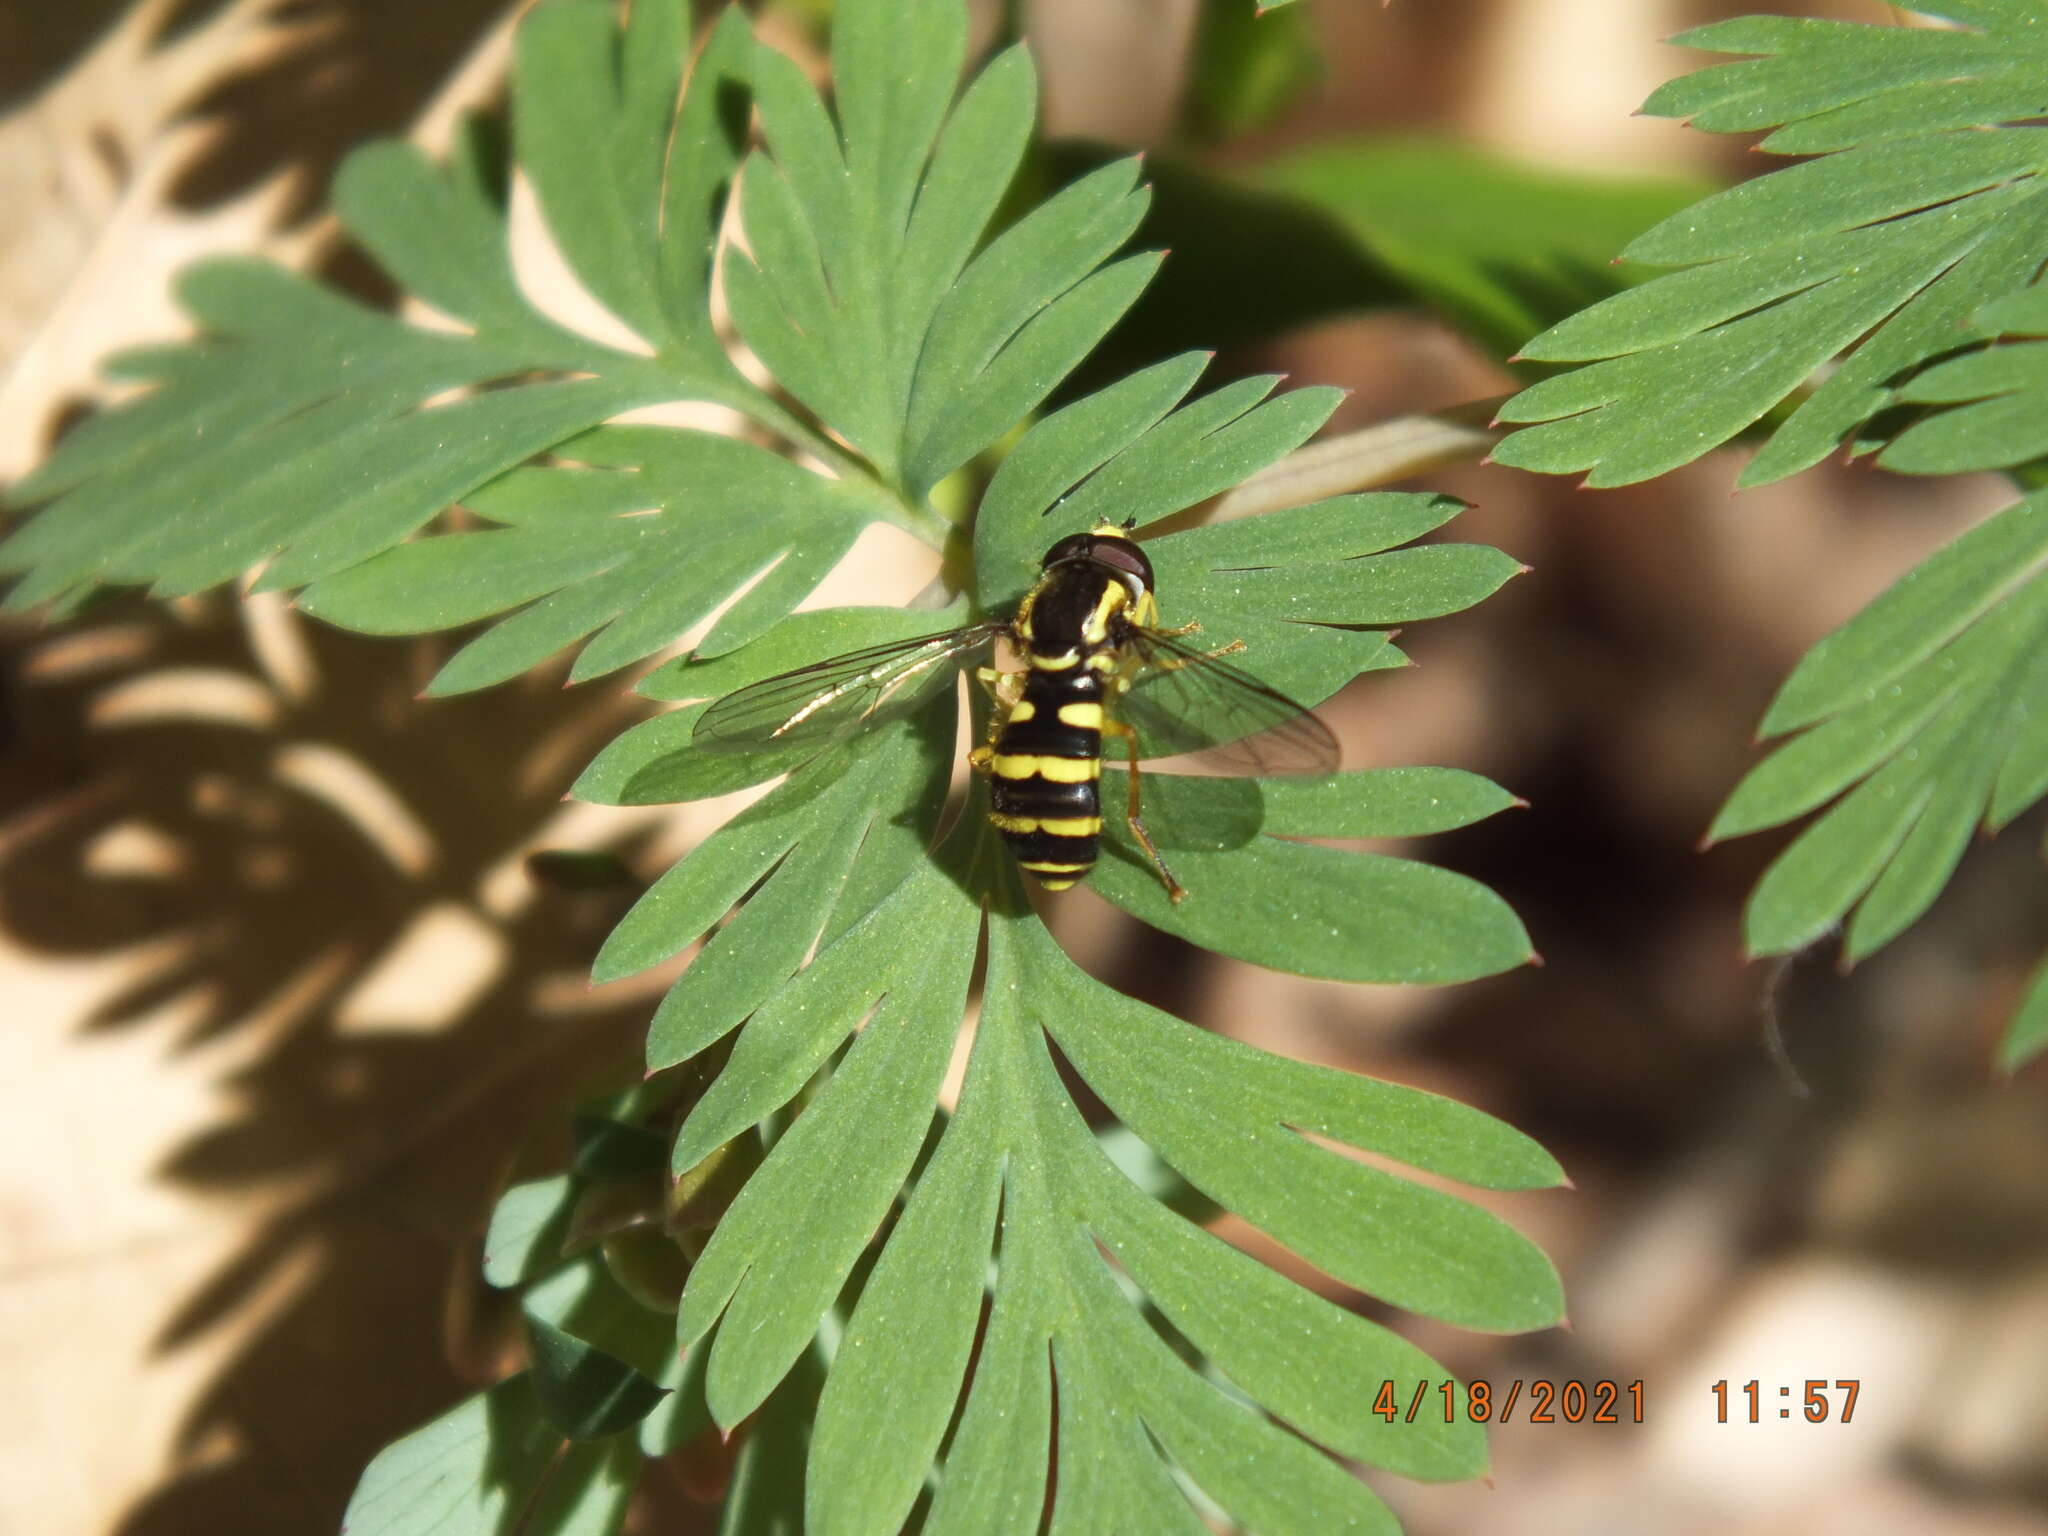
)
(527, 1229)
(894, 980)
(1923, 204)
(615, 542)
(493, 1460)
(1074, 1234)
(1347, 916)
(1997, 397)
(1927, 714)
(908, 1314)
(305, 433)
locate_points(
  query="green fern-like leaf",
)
(1924, 203)
(544, 1451)
(835, 858)
(835, 872)
(487, 1463)
(838, 1298)
(1083, 1253)
(1927, 714)
(304, 433)
(1997, 397)
(1882, 287)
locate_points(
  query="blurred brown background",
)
(282, 1000)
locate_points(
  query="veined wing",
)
(1186, 701)
(830, 700)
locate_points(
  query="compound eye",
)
(1075, 546)
(1122, 555)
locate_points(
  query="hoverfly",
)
(1096, 665)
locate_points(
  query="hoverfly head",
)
(1111, 545)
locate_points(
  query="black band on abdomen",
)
(1049, 736)
(1052, 848)
(1042, 731)
(1043, 798)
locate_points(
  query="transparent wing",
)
(1187, 701)
(830, 700)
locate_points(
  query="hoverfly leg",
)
(1006, 688)
(1174, 890)
(1175, 663)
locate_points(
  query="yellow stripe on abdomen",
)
(1060, 770)
(1056, 826)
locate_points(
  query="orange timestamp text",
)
(1541, 1402)
(1766, 1402)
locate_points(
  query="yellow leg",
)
(1174, 891)
(983, 756)
(1006, 688)
(1175, 663)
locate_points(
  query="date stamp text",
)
(1541, 1401)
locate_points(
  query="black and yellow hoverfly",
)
(1096, 664)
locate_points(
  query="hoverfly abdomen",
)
(1045, 759)
(1044, 773)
